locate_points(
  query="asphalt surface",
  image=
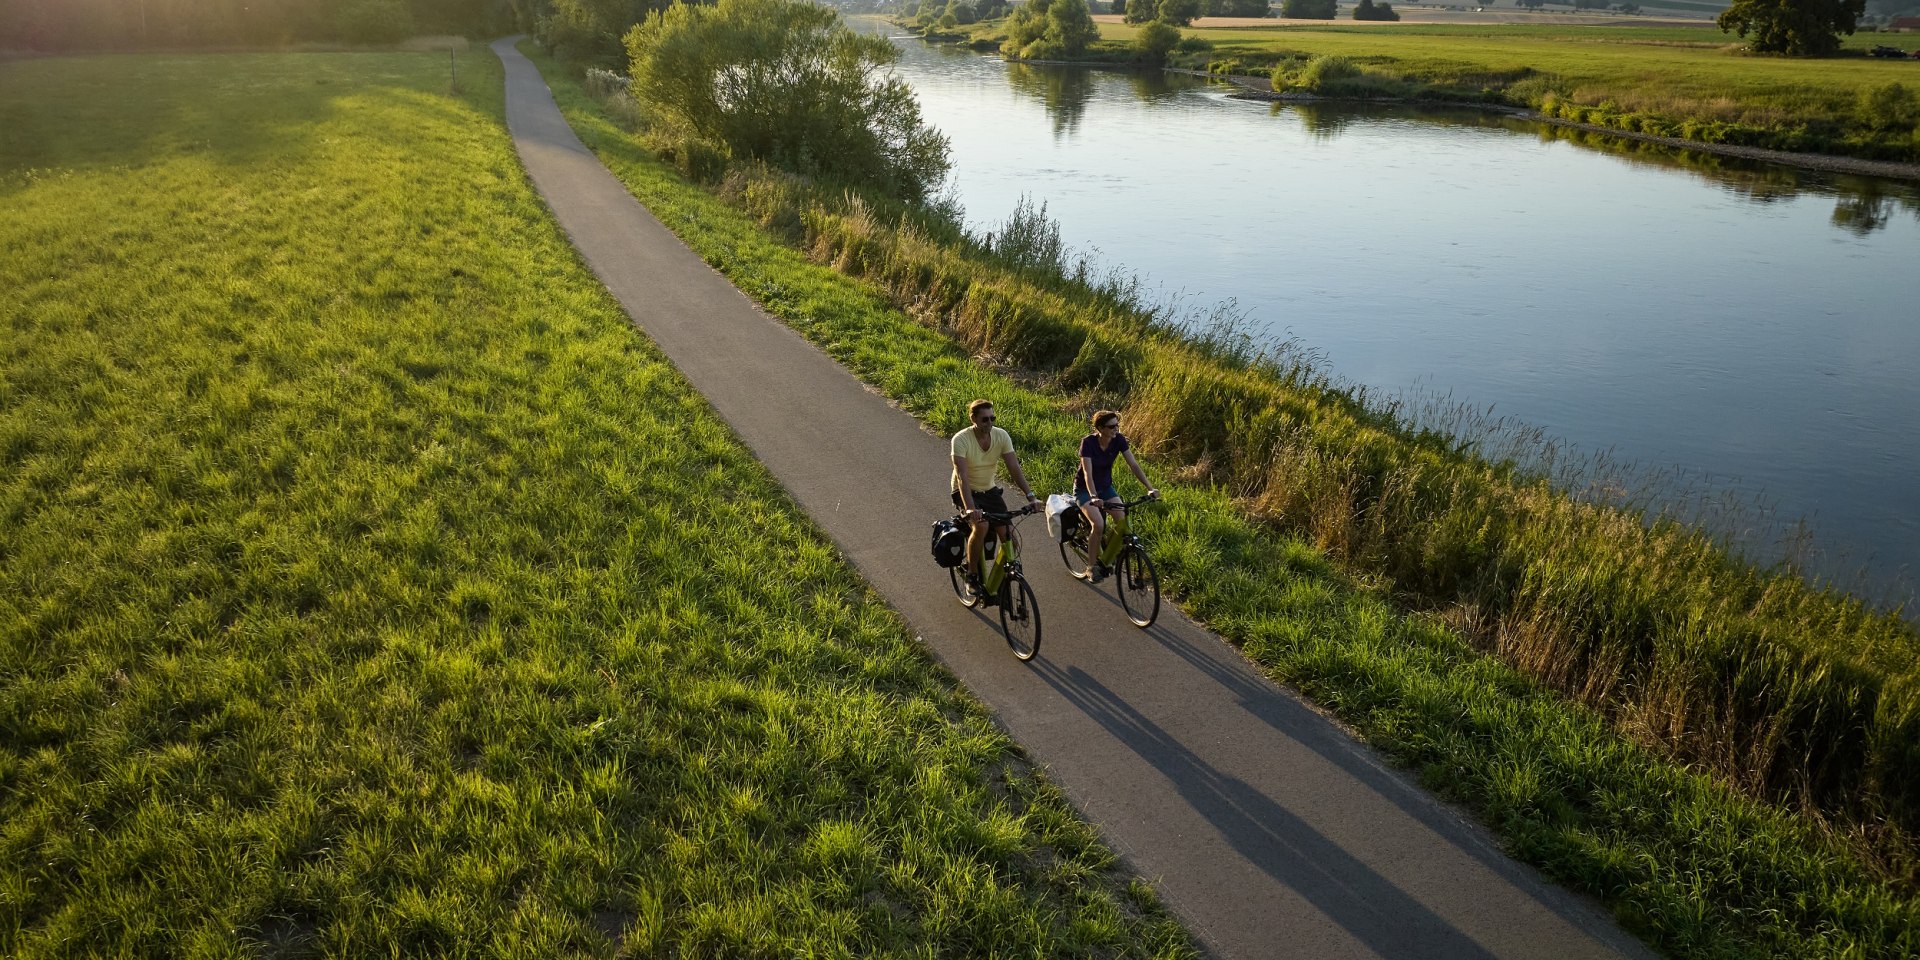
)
(1263, 826)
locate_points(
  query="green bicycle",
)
(1004, 586)
(1124, 554)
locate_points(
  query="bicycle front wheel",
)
(1139, 587)
(959, 577)
(1020, 617)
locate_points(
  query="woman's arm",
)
(1142, 474)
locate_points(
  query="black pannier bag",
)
(949, 543)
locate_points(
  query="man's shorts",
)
(992, 501)
(1082, 497)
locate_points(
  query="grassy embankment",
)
(1691, 82)
(369, 587)
(1673, 649)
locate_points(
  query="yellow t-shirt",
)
(982, 465)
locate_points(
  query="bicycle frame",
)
(1116, 538)
(1002, 562)
(1116, 526)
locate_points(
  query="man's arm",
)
(1019, 476)
(966, 494)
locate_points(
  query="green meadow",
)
(369, 587)
(1270, 537)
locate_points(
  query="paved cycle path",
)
(1268, 830)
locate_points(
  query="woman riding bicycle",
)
(1093, 482)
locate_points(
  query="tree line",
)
(76, 25)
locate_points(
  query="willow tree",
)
(786, 82)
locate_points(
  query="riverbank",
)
(1681, 84)
(1261, 89)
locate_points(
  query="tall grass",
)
(369, 587)
(1802, 701)
(1793, 693)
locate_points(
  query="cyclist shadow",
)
(1345, 889)
(1289, 715)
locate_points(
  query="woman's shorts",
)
(1082, 497)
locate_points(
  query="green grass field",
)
(368, 587)
(1683, 860)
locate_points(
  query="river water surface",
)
(1746, 327)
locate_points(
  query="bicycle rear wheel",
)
(1073, 551)
(959, 577)
(1020, 617)
(1139, 587)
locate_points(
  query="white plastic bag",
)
(1057, 506)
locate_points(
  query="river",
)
(1721, 331)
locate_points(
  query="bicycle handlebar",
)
(1128, 504)
(990, 515)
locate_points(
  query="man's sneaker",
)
(1099, 573)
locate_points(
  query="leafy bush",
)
(1050, 30)
(1887, 108)
(1238, 8)
(1155, 41)
(602, 83)
(1321, 71)
(1309, 9)
(1070, 24)
(1043, 49)
(1024, 26)
(1368, 10)
(374, 21)
(1178, 12)
(1141, 11)
(786, 82)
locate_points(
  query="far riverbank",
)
(1260, 88)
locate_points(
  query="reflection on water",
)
(1064, 93)
(1748, 323)
(1861, 204)
(1324, 121)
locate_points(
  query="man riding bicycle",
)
(1093, 482)
(978, 451)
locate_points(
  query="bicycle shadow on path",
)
(1354, 896)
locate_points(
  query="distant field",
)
(369, 587)
(1672, 78)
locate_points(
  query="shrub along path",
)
(1269, 830)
